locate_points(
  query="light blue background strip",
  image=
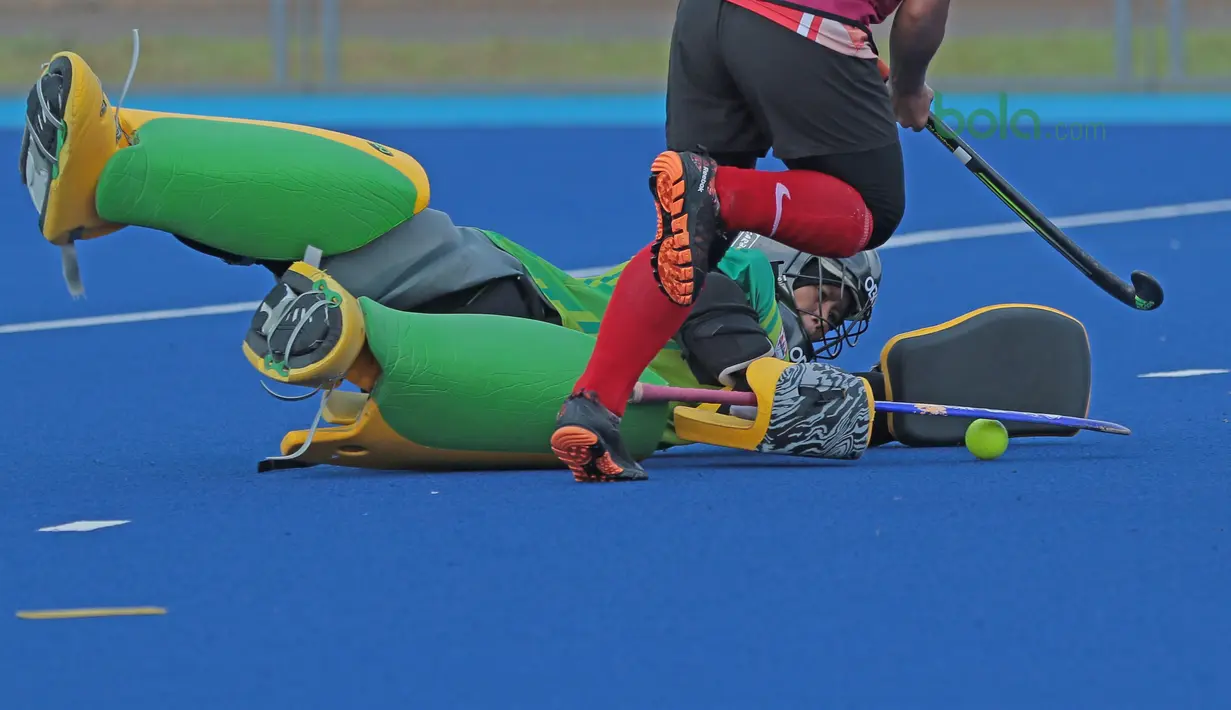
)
(630, 110)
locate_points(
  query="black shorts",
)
(739, 84)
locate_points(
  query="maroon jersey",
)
(820, 25)
(868, 12)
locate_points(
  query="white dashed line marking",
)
(84, 526)
(1184, 373)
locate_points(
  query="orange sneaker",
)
(683, 187)
(587, 439)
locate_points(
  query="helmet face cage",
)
(849, 319)
(856, 277)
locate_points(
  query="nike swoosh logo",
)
(780, 192)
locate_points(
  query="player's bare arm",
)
(918, 30)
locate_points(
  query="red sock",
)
(639, 321)
(810, 211)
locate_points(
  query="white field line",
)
(932, 236)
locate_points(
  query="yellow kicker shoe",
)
(70, 135)
(308, 331)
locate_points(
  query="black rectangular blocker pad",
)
(1019, 357)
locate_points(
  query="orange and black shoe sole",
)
(673, 242)
(580, 450)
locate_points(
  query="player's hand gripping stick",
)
(1144, 293)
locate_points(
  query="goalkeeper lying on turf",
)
(462, 343)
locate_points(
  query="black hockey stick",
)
(1144, 293)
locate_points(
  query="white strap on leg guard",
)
(71, 268)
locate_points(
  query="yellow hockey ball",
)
(987, 439)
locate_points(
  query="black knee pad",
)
(722, 334)
(886, 216)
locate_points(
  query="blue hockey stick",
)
(945, 410)
(660, 393)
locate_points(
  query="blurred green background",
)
(592, 45)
